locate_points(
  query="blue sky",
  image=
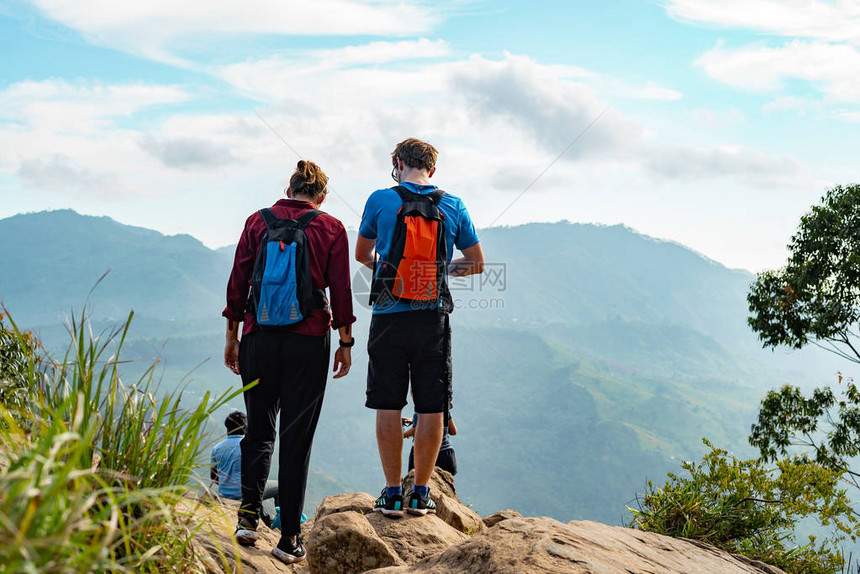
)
(720, 121)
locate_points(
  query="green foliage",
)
(94, 479)
(17, 359)
(744, 507)
(815, 298)
(787, 418)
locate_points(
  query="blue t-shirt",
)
(227, 460)
(380, 218)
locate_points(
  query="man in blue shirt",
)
(411, 340)
(227, 463)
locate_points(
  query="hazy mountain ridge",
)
(57, 257)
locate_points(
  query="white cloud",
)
(823, 50)
(60, 173)
(789, 104)
(837, 21)
(187, 153)
(651, 91)
(497, 122)
(716, 120)
(285, 77)
(851, 116)
(60, 136)
(61, 105)
(690, 164)
(160, 29)
(830, 67)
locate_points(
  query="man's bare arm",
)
(471, 263)
(365, 251)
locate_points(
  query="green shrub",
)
(744, 507)
(91, 469)
(17, 354)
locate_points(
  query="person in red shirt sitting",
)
(290, 362)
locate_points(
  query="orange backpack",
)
(416, 268)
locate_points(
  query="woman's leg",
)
(261, 405)
(307, 359)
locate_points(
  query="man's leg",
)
(428, 439)
(261, 404)
(270, 502)
(447, 460)
(271, 491)
(430, 370)
(389, 438)
(387, 387)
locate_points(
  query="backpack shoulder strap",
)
(269, 218)
(307, 217)
(436, 195)
(402, 191)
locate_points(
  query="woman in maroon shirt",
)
(291, 363)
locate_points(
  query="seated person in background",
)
(446, 460)
(227, 463)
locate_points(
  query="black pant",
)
(292, 370)
(446, 460)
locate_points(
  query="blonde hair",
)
(308, 180)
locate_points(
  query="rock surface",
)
(358, 502)
(345, 542)
(449, 508)
(346, 536)
(217, 550)
(349, 536)
(493, 519)
(544, 545)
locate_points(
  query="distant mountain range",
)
(51, 260)
(587, 359)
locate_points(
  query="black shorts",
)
(412, 344)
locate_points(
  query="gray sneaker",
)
(290, 552)
(420, 505)
(246, 532)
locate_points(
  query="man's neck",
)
(416, 176)
(417, 181)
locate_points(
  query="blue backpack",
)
(282, 290)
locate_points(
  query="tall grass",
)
(91, 468)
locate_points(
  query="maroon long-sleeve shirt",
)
(329, 259)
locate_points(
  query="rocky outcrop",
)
(493, 519)
(347, 537)
(344, 542)
(544, 545)
(360, 502)
(449, 508)
(350, 538)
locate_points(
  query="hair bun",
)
(308, 179)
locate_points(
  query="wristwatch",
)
(347, 345)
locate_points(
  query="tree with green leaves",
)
(814, 300)
(750, 508)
